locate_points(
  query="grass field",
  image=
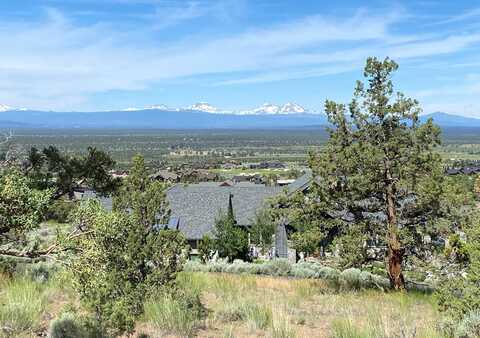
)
(236, 306)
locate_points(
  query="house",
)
(165, 176)
(195, 207)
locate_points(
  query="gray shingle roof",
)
(301, 183)
(194, 207)
(197, 205)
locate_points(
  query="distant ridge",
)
(160, 118)
(449, 120)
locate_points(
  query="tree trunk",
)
(395, 250)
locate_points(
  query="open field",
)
(236, 306)
(288, 145)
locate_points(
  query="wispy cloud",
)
(172, 14)
(471, 14)
(57, 63)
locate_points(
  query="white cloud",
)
(59, 64)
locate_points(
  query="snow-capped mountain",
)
(154, 107)
(204, 107)
(265, 109)
(292, 108)
(274, 109)
(5, 108)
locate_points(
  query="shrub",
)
(206, 248)
(350, 279)
(8, 266)
(230, 240)
(460, 296)
(60, 210)
(469, 327)
(278, 267)
(41, 272)
(301, 271)
(66, 326)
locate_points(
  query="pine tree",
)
(378, 150)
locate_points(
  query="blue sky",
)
(234, 54)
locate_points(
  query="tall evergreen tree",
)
(378, 150)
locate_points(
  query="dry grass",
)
(258, 306)
(244, 306)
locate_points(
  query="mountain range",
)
(265, 109)
(198, 116)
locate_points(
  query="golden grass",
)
(307, 308)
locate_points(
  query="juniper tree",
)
(21, 210)
(377, 149)
(50, 168)
(120, 257)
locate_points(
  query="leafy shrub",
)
(230, 240)
(469, 327)
(307, 241)
(206, 248)
(66, 326)
(60, 210)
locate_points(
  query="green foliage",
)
(378, 152)
(118, 263)
(307, 241)
(143, 198)
(120, 258)
(351, 247)
(459, 296)
(206, 248)
(50, 168)
(60, 210)
(457, 249)
(469, 327)
(21, 209)
(66, 326)
(230, 240)
(262, 230)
